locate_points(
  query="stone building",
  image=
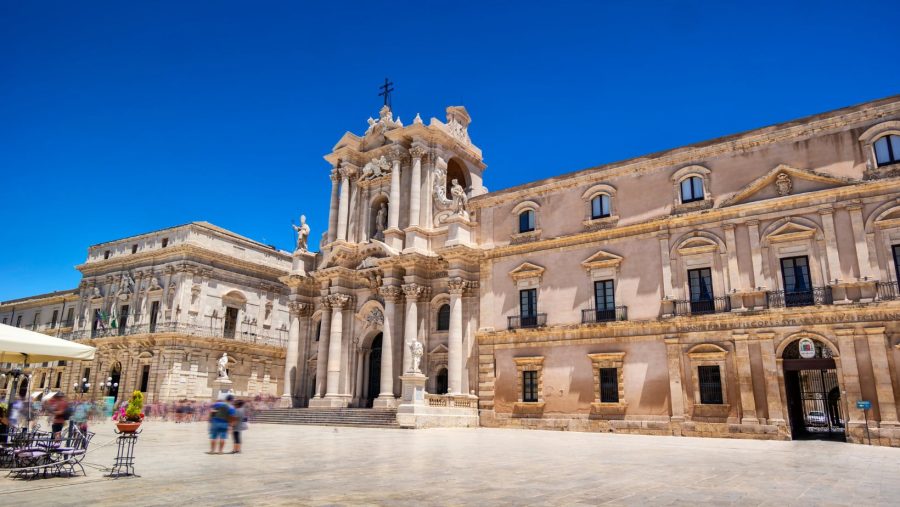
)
(740, 287)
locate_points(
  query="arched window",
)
(526, 221)
(443, 318)
(691, 189)
(600, 206)
(887, 150)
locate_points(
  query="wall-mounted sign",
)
(863, 404)
(807, 348)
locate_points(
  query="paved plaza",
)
(316, 465)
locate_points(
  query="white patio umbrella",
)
(22, 346)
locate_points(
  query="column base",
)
(415, 240)
(286, 401)
(393, 238)
(385, 401)
(749, 420)
(330, 401)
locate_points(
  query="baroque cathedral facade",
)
(744, 287)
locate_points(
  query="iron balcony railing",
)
(887, 291)
(787, 299)
(703, 306)
(591, 315)
(527, 321)
(276, 338)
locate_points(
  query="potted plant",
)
(128, 419)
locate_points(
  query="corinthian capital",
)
(299, 309)
(414, 291)
(417, 152)
(337, 301)
(390, 293)
(347, 171)
(456, 285)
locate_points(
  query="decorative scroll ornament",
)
(375, 318)
(783, 184)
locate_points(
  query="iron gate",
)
(819, 403)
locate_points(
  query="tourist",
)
(61, 413)
(4, 425)
(80, 416)
(240, 424)
(221, 415)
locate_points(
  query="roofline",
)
(701, 144)
(203, 225)
(41, 296)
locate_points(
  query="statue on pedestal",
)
(223, 364)
(459, 198)
(381, 221)
(416, 351)
(302, 234)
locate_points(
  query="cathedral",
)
(741, 287)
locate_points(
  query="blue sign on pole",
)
(863, 404)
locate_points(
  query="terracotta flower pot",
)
(128, 427)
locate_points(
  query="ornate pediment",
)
(790, 231)
(888, 219)
(782, 181)
(601, 260)
(697, 245)
(526, 271)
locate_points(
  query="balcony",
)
(788, 299)
(528, 321)
(887, 291)
(277, 338)
(591, 315)
(703, 306)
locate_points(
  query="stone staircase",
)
(359, 417)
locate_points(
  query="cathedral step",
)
(358, 417)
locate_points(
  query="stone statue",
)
(154, 284)
(223, 364)
(416, 350)
(127, 284)
(376, 168)
(302, 234)
(381, 220)
(783, 184)
(459, 197)
(95, 292)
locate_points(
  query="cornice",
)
(39, 302)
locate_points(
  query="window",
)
(600, 206)
(692, 189)
(604, 297)
(528, 307)
(887, 150)
(700, 284)
(35, 321)
(54, 318)
(145, 378)
(106, 255)
(318, 330)
(123, 318)
(134, 249)
(43, 379)
(154, 315)
(710, 385)
(443, 318)
(526, 221)
(529, 386)
(165, 242)
(70, 317)
(895, 249)
(58, 380)
(609, 385)
(19, 321)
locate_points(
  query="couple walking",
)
(226, 414)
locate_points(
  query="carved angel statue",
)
(302, 234)
(375, 168)
(223, 364)
(416, 351)
(459, 197)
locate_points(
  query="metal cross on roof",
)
(386, 90)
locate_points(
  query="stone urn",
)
(128, 426)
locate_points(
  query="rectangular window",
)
(700, 284)
(154, 314)
(165, 242)
(318, 330)
(528, 307)
(692, 189)
(35, 321)
(609, 385)
(19, 321)
(145, 378)
(896, 250)
(710, 385)
(797, 283)
(43, 379)
(529, 386)
(58, 380)
(526, 221)
(70, 317)
(604, 300)
(54, 318)
(600, 206)
(134, 249)
(106, 255)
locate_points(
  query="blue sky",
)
(118, 118)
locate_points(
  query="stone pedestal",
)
(221, 386)
(459, 230)
(393, 238)
(421, 410)
(303, 262)
(413, 389)
(416, 240)
(330, 402)
(286, 401)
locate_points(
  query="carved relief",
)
(390, 292)
(337, 301)
(414, 291)
(783, 184)
(376, 168)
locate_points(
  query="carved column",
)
(413, 292)
(322, 353)
(337, 302)
(394, 203)
(391, 295)
(415, 185)
(770, 371)
(455, 346)
(344, 203)
(362, 354)
(831, 247)
(850, 373)
(884, 389)
(759, 278)
(859, 237)
(676, 393)
(293, 349)
(333, 207)
(745, 379)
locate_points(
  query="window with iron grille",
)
(443, 318)
(609, 385)
(529, 386)
(710, 385)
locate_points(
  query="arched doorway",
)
(374, 384)
(440, 382)
(115, 374)
(812, 391)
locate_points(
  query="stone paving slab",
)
(315, 465)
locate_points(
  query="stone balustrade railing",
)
(452, 400)
(277, 338)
